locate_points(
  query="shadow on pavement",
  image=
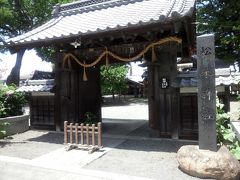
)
(117, 133)
(4, 143)
(137, 135)
(50, 137)
(153, 145)
(111, 128)
(120, 126)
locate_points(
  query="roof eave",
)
(100, 33)
(175, 16)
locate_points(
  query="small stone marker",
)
(206, 92)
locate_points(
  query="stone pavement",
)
(128, 153)
(30, 156)
(20, 169)
(123, 157)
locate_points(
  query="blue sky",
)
(30, 63)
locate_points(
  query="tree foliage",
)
(221, 17)
(113, 79)
(11, 101)
(46, 53)
(225, 134)
(2, 70)
(3, 126)
(20, 16)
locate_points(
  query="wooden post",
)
(71, 133)
(93, 134)
(87, 126)
(206, 92)
(57, 97)
(82, 135)
(99, 134)
(76, 133)
(65, 132)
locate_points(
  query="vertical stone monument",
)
(205, 161)
(206, 92)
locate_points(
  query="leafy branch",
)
(225, 134)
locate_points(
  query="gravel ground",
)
(125, 135)
(31, 144)
(140, 155)
(130, 108)
(145, 158)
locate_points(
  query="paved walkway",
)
(14, 169)
(128, 153)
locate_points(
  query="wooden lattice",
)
(88, 137)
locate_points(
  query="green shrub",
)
(11, 101)
(225, 134)
(113, 79)
(3, 126)
(238, 98)
(90, 118)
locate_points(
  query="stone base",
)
(17, 124)
(208, 164)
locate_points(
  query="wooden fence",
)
(82, 136)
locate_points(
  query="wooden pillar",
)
(74, 96)
(57, 107)
(163, 99)
(206, 92)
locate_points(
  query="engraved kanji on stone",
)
(207, 114)
(206, 51)
(206, 73)
(206, 94)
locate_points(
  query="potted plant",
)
(12, 119)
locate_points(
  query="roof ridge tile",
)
(89, 5)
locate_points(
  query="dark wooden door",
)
(188, 116)
(75, 97)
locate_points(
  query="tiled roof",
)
(37, 86)
(92, 16)
(227, 80)
(42, 75)
(223, 77)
